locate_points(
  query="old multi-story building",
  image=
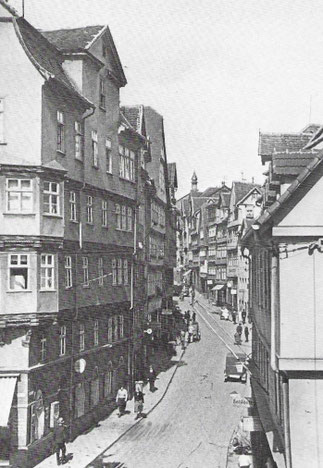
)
(69, 178)
(243, 208)
(160, 235)
(284, 246)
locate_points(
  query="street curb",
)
(90, 465)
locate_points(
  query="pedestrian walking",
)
(246, 333)
(245, 460)
(193, 297)
(190, 332)
(59, 440)
(243, 315)
(151, 378)
(183, 339)
(239, 329)
(234, 316)
(237, 338)
(194, 316)
(122, 397)
(139, 401)
(186, 339)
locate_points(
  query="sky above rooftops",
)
(217, 70)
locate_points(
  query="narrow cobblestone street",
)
(193, 424)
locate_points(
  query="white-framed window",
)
(18, 272)
(51, 198)
(85, 268)
(124, 218)
(108, 155)
(110, 330)
(60, 132)
(104, 207)
(47, 281)
(100, 271)
(95, 148)
(73, 210)
(121, 326)
(2, 114)
(78, 141)
(62, 340)
(68, 272)
(126, 163)
(82, 337)
(43, 347)
(79, 400)
(102, 94)
(114, 272)
(129, 219)
(118, 215)
(19, 195)
(119, 267)
(89, 209)
(96, 332)
(125, 272)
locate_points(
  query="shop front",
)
(219, 294)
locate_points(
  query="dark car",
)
(235, 368)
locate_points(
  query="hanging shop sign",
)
(240, 401)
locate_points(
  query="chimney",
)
(252, 180)
(194, 182)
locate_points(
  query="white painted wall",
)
(306, 422)
(301, 305)
(74, 70)
(22, 109)
(309, 210)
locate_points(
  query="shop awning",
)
(187, 273)
(217, 287)
(7, 389)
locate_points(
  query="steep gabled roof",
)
(81, 40)
(291, 163)
(132, 114)
(76, 39)
(172, 174)
(300, 181)
(276, 142)
(45, 57)
(241, 189)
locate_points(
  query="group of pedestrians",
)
(186, 334)
(241, 328)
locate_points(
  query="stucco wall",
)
(22, 134)
(301, 306)
(306, 422)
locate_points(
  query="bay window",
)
(47, 272)
(51, 198)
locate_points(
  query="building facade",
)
(73, 208)
(284, 249)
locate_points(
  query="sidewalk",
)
(91, 444)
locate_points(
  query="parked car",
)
(225, 314)
(235, 368)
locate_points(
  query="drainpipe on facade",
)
(132, 305)
(274, 308)
(288, 450)
(85, 115)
